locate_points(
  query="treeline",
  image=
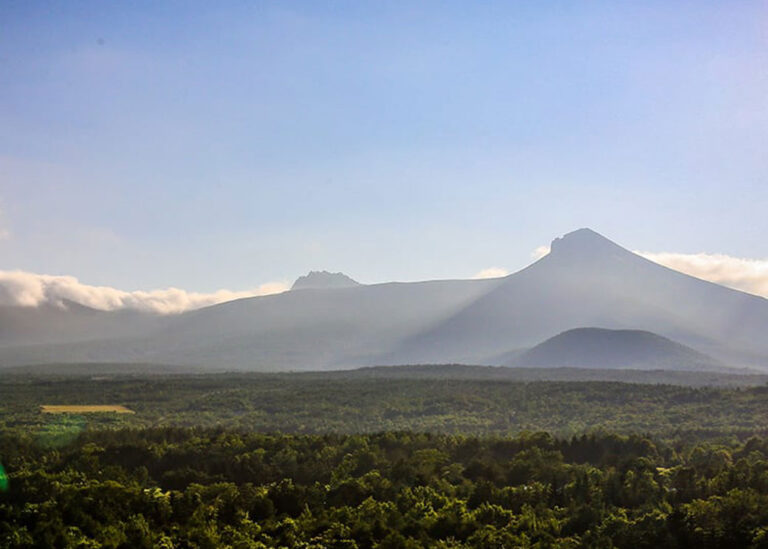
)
(331, 403)
(175, 487)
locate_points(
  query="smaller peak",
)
(322, 280)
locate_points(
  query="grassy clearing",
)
(85, 409)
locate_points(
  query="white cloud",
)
(31, 290)
(749, 275)
(539, 252)
(492, 272)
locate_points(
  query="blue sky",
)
(224, 145)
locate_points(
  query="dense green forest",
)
(363, 459)
(174, 487)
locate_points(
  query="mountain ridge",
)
(586, 280)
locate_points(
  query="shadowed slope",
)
(601, 348)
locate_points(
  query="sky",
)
(238, 145)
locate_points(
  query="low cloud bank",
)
(31, 290)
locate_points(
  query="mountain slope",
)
(312, 328)
(70, 322)
(614, 349)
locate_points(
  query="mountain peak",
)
(323, 279)
(583, 242)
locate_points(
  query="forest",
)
(210, 488)
(369, 401)
(363, 460)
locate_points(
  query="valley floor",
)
(421, 399)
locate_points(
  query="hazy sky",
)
(227, 144)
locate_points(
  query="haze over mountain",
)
(330, 321)
(70, 322)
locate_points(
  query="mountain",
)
(312, 328)
(329, 321)
(587, 280)
(316, 280)
(615, 349)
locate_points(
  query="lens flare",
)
(3, 479)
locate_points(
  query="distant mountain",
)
(600, 348)
(323, 280)
(311, 329)
(329, 321)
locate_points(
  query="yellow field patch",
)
(94, 409)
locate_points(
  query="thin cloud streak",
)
(20, 288)
(491, 272)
